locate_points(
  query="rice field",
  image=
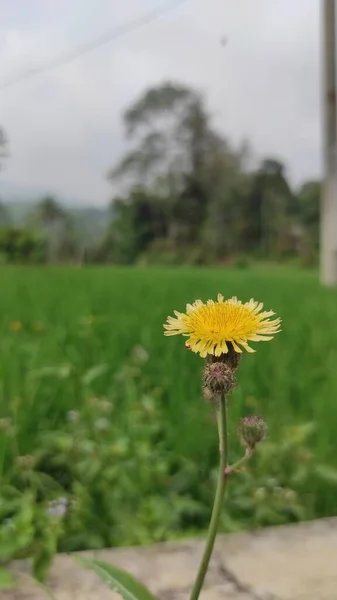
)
(64, 333)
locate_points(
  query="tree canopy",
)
(188, 194)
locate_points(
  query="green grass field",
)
(72, 320)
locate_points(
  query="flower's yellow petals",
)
(233, 300)
(224, 347)
(236, 347)
(172, 322)
(260, 338)
(172, 332)
(267, 313)
(269, 330)
(258, 307)
(197, 346)
(248, 348)
(213, 326)
(218, 350)
(251, 304)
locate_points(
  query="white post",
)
(328, 242)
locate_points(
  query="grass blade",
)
(118, 580)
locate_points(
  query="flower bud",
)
(218, 378)
(252, 430)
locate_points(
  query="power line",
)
(107, 37)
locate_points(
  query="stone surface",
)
(280, 563)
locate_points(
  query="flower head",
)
(212, 326)
(252, 430)
(16, 326)
(218, 377)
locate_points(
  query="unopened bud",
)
(252, 430)
(218, 378)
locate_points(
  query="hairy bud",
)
(218, 378)
(252, 430)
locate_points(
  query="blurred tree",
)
(53, 219)
(48, 210)
(308, 218)
(269, 207)
(18, 245)
(309, 209)
(5, 219)
(174, 160)
(137, 221)
(185, 191)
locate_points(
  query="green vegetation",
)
(186, 195)
(101, 411)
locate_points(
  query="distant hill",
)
(90, 221)
(20, 193)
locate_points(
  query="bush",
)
(100, 481)
(242, 262)
(21, 246)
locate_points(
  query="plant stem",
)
(221, 414)
(232, 468)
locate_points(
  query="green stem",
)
(221, 415)
(232, 468)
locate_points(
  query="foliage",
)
(57, 226)
(120, 581)
(186, 195)
(186, 187)
(127, 442)
(21, 246)
(4, 216)
(80, 487)
(278, 464)
(275, 489)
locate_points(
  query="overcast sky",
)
(65, 128)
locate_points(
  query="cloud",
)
(65, 127)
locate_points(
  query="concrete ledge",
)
(297, 562)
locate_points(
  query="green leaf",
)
(118, 580)
(328, 474)
(60, 372)
(94, 373)
(43, 558)
(6, 579)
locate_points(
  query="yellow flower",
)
(212, 326)
(16, 326)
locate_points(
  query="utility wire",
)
(107, 37)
